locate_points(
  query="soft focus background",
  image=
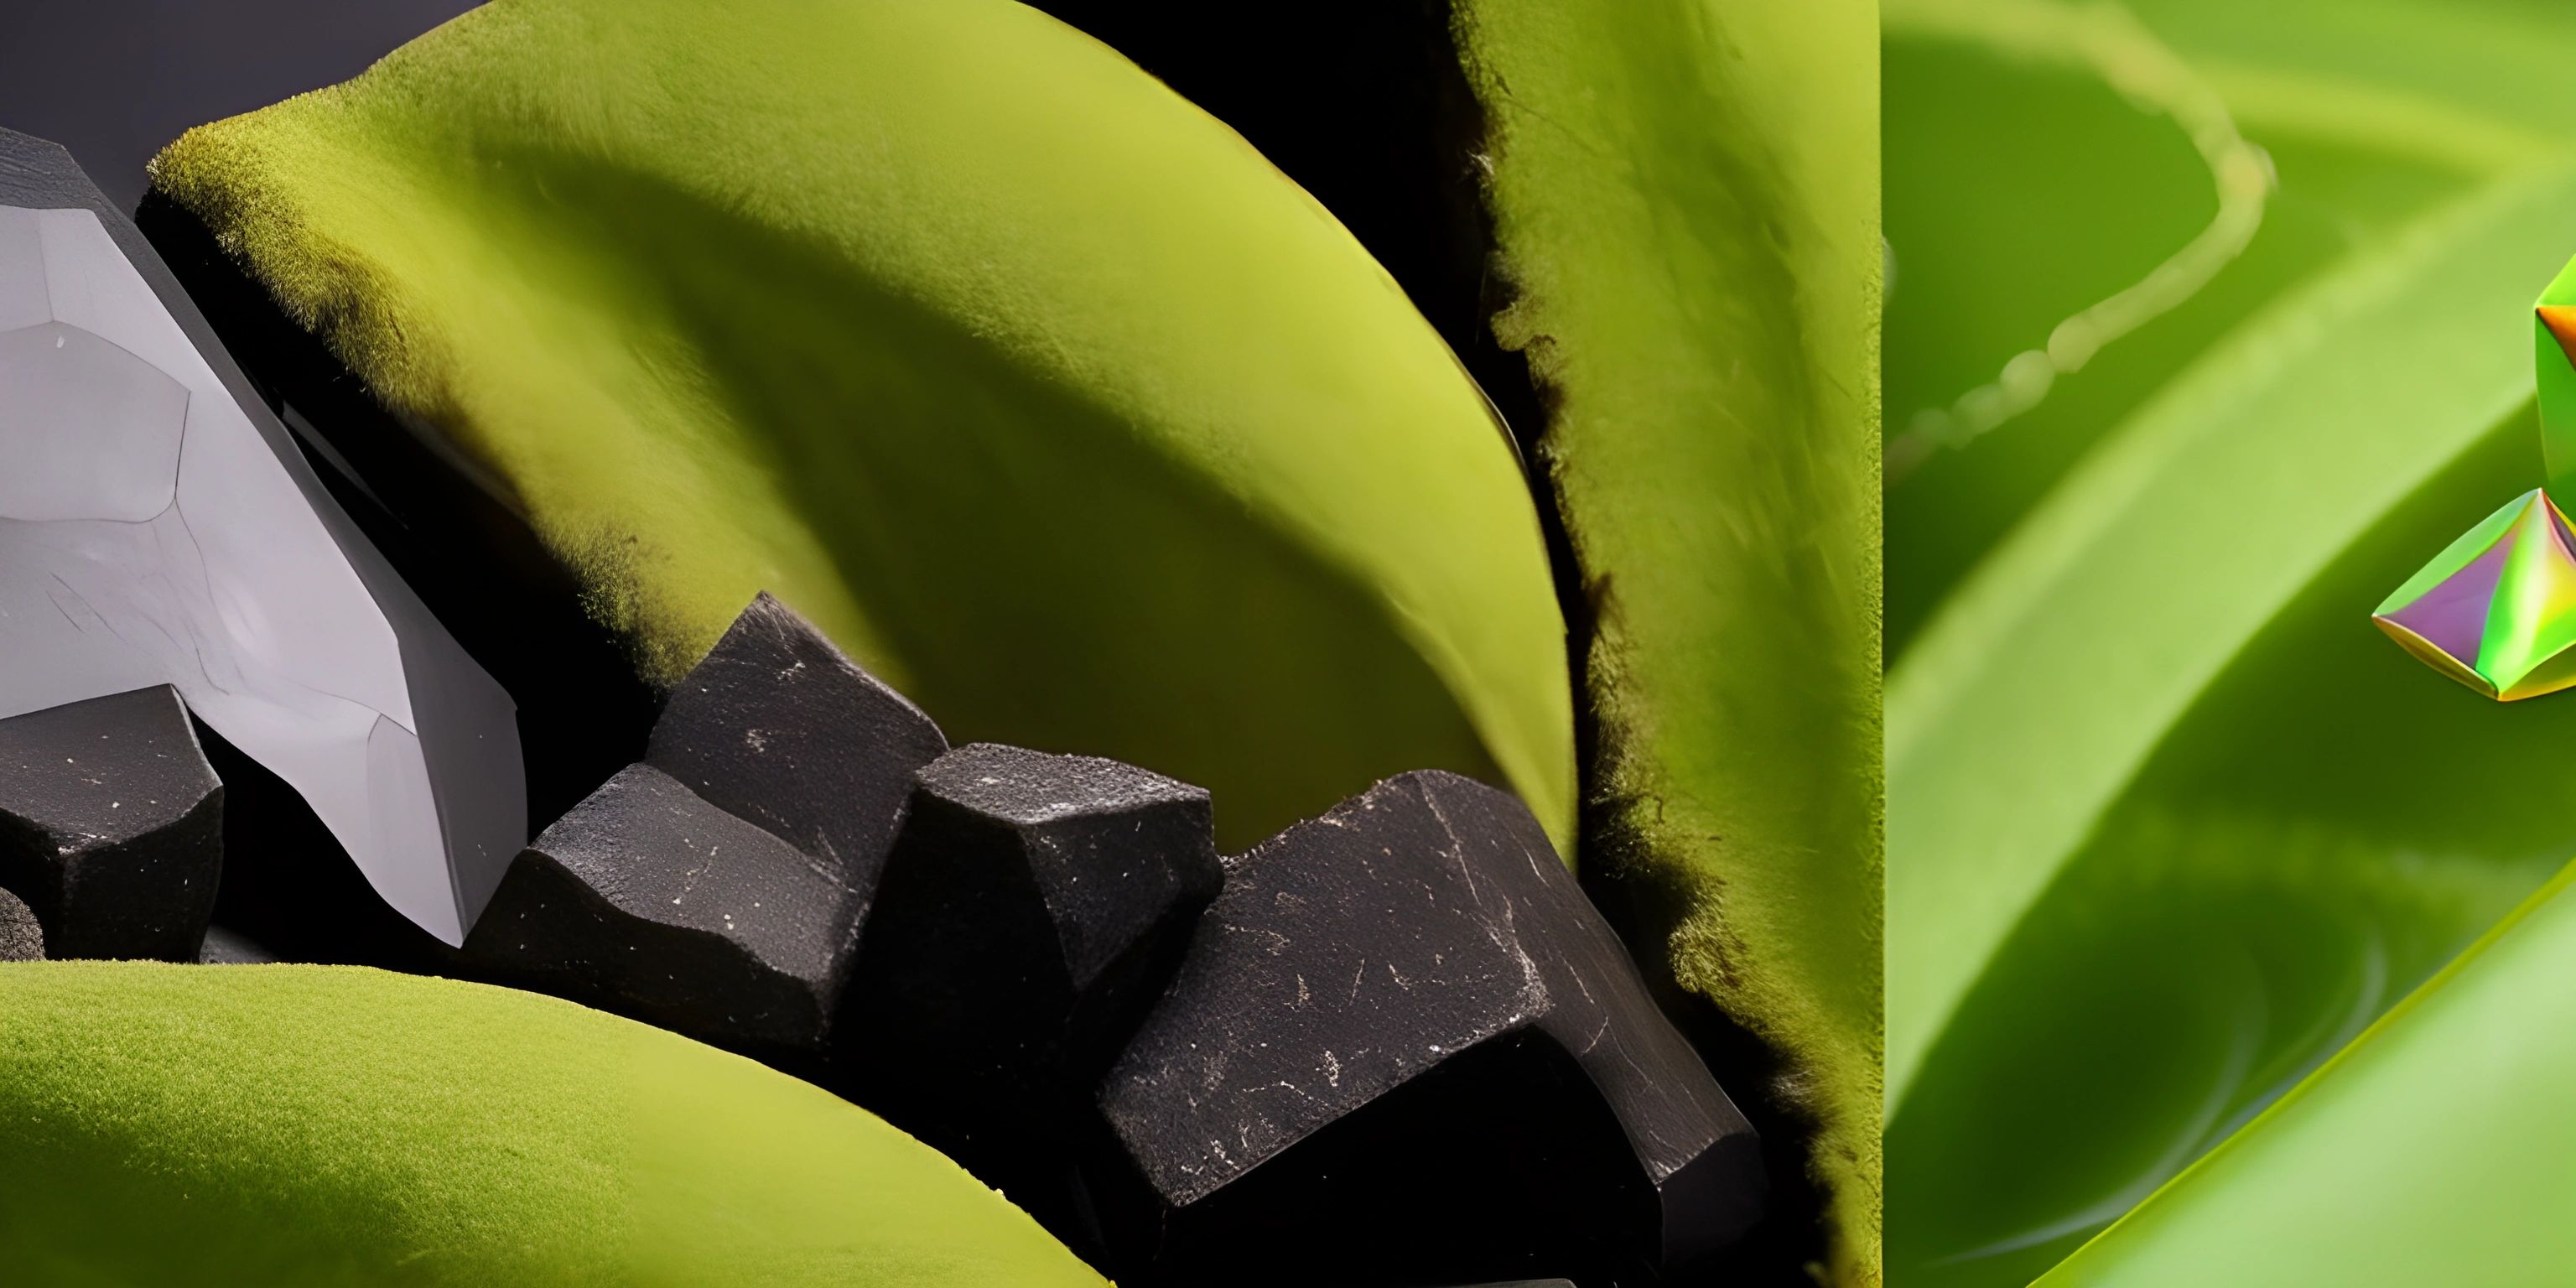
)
(2207, 324)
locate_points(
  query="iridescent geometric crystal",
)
(2497, 610)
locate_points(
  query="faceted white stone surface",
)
(157, 529)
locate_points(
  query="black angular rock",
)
(1404, 1048)
(777, 727)
(21, 938)
(651, 902)
(231, 948)
(1031, 909)
(111, 825)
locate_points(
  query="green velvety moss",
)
(295, 1125)
(1032, 384)
(1686, 197)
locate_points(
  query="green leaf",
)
(2433, 1150)
(2187, 969)
(2025, 187)
(1033, 385)
(2503, 60)
(1686, 198)
(2175, 647)
(311, 1125)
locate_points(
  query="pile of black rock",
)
(1392, 1045)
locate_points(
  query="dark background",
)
(114, 80)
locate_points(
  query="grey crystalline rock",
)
(21, 938)
(111, 825)
(159, 526)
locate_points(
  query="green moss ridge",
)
(1685, 196)
(1036, 387)
(293, 1125)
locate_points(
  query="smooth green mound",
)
(1686, 195)
(2433, 1150)
(1032, 384)
(289, 1125)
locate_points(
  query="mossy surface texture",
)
(1686, 198)
(293, 1125)
(1035, 386)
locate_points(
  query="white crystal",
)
(156, 530)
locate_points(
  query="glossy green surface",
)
(281, 1126)
(1036, 387)
(2528, 613)
(2434, 1150)
(2169, 820)
(1686, 197)
(2555, 373)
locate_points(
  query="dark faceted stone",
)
(777, 727)
(1402, 1047)
(231, 948)
(650, 902)
(111, 825)
(22, 939)
(1031, 909)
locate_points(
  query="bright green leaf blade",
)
(2183, 976)
(2327, 811)
(2434, 1150)
(1686, 197)
(310, 1125)
(1032, 384)
(2035, 700)
(2504, 60)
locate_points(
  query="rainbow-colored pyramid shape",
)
(2497, 610)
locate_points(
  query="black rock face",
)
(777, 727)
(1031, 909)
(22, 939)
(1403, 1047)
(111, 825)
(648, 901)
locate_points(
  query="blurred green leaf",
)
(2503, 60)
(2434, 1150)
(2170, 663)
(1686, 197)
(2023, 188)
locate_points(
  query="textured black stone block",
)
(1402, 1048)
(1031, 909)
(111, 825)
(22, 939)
(648, 901)
(777, 727)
